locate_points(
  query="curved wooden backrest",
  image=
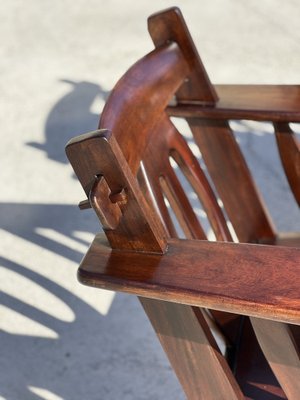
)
(135, 114)
(140, 97)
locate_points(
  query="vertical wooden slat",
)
(232, 179)
(154, 196)
(200, 367)
(168, 26)
(195, 176)
(170, 144)
(282, 353)
(181, 205)
(289, 150)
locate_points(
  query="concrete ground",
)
(59, 59)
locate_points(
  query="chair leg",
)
(192, 351)
(282, 353)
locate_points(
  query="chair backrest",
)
(136, 115)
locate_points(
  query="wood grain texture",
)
(254, 102)
(200, 367)
(252, 370)
(232, 179)
(134, 113)
(127, 171)
(162, 178)
(169, 26)
(138, 228)
(255, 280)
(282, 352)
(140, 97)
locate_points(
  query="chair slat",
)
(169, 25)
(289, 150)
(233, 181)
(282, 352)
(181, 205)
(155, 198)
(167, 142)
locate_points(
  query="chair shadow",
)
(30, 353)
(83, 358)
(25, 357)
(90, 352)
(69, 117)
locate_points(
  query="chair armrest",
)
(280, 103)
(255, 280)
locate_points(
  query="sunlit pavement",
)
(59, 59)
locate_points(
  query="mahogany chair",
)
(190, 288)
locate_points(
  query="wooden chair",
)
(128, 169)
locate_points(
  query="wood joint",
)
(107, 205)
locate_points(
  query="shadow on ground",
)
(83, 358)
(70, 116)
(90, 352)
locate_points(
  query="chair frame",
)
(141, 254)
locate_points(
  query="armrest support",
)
(255, 280)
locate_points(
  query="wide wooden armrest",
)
(280, 103)
(256, 280)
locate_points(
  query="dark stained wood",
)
(256, 280)
(126, 172)
(139, 228)
(254, 102)
(282, 352)
(232, 179)
(200, 367)
(162, 177)
(179, 203)
(169, 26)
(149, 85)
(252, 370)
(289, 150)
(108, 213)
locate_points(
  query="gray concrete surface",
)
(58, 60)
